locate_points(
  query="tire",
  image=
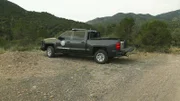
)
(101, 56)
(50, 52)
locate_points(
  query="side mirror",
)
(60, 38)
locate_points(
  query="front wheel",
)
(101, 56)
(50, 51)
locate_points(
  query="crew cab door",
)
(78, 42)
(64, 44)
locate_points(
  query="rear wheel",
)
(101, 56)
(50, 51)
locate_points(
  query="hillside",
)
(170, 16)
(7, 8)
(20, 25)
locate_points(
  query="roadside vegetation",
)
(151, 36)
(2, 50)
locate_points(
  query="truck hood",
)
(50, 40)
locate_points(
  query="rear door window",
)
(93, 35)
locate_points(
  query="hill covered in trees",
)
(23, 27)
(152, 33)
(139, 18)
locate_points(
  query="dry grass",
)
(175, 50)
(2, 50)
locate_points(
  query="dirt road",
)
(31, 76)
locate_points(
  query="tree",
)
(176, 37)
(154, 36)
(110, 29)
(101, 29)
(125, 28)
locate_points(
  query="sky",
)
(85, 10)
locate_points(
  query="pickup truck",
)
(85, 43)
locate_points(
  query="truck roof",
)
(76, 29)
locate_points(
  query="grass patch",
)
(24, 48)
(2, 50)
(175, 50)
(14, 47)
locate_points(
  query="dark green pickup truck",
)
(86, 43)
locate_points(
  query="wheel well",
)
(95, 49)
(47, 45)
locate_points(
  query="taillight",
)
(118, 46)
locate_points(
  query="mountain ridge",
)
(116, 18)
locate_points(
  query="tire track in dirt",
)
(160, 83)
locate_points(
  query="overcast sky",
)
(84, 10)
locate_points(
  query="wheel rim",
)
(49, 52)
(100, 57)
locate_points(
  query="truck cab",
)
(75, 41)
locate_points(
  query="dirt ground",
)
(31, 76)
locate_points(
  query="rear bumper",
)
(124, 51)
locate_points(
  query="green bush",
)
(154, 36)
(176, 37)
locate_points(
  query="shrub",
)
(154, 36)
(176, 37)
